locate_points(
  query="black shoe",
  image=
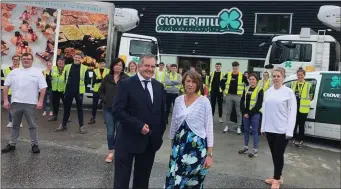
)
(54, 118)
(244, 151)
(92, 121)
(8, 148)
(35, 149)
(300, 145)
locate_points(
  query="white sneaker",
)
(238, 131)
(44, 113)
(221, 120)
(10, 124)
(226, 129)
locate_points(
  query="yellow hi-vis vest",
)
(175, 78)
(58, 80)
(6, 72)
(266, 85)
(304, 96)
(99, 76)
(162, 78)
(82, 77)
(130, 74)
(254, 97)
(207, 80)
(240, 85)
(212, 76)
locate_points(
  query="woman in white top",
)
(278, 123)
(192, 136)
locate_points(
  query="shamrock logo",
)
(336, 81)
(136, 59)
(230, 19)
(287, 64)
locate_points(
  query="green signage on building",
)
(228, 21)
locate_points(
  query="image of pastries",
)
(73, 13)
(48, 30)
(98, 18)
(67, 20)
(55, 14)
(53, 24)
(69, 52)
(91, 30)
(31, 36)
(103, 28)
(17, 39)
(89, 61)
(25, 26)
(45, 16)
(8, 6)
(71, 32)
(25, 16)
(44, 56)
(6, 13)
(6, 24)
(61, 37)
(4, 48)
(24, 48)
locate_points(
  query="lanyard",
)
(300, 88)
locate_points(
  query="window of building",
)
(273, 23)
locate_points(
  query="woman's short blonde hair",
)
(195, 76)
(280, 70)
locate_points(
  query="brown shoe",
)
(271, 179)
(60, 128)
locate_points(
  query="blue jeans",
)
(111, 125)
(49, 94)
(252, 121)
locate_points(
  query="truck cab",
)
(324, 120)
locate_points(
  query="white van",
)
(324, 118)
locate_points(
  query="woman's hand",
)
(208, 162)
(246, 115)
(263, 134)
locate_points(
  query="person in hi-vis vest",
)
(265, 82)
(173, 84)
(131, 69)
(6, 71)
(205, 81)
(303, 92)
(216, 91)
(48, 93)
(160, 73)
(58, 87)
(98, 75)
(75, 77)
(234, 83)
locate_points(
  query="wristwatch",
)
(210, 154)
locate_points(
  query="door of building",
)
(198, 62)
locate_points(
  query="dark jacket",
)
(107, 90)
(245, 109)
(133, 109)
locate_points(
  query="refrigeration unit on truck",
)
(313, 51)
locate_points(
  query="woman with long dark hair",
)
(107, 92)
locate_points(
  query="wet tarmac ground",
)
(72, 160)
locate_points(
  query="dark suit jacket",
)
(132, 109)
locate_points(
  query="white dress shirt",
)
(198, 117)
(279, 111)
(149, 85)
(25, 84)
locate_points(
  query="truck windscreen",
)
(282, 53)
(138, 47)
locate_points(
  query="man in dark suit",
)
(139, 107)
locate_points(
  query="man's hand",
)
(246, 115)
(263, 134)
(145, 129)
(39, 105)
(7, 105)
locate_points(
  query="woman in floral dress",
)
(192, 136)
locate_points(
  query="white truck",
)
(310, 50)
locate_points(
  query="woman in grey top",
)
(107, 92)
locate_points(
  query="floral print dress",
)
(186, 160)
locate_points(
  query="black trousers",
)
(277, 143)
(217, 96)
(56, 97)
(300, 122)
(142, 168)
(95, 99)
(68, 98)
(170, 99)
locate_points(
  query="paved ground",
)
(71, 160)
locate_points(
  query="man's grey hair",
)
(145, 56)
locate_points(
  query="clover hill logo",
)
(136, 59)
(287, 64)
(227, 21)
(230, 20)
(336, 82)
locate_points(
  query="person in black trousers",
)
(58, 87)
(215, 90)
(76, 80)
